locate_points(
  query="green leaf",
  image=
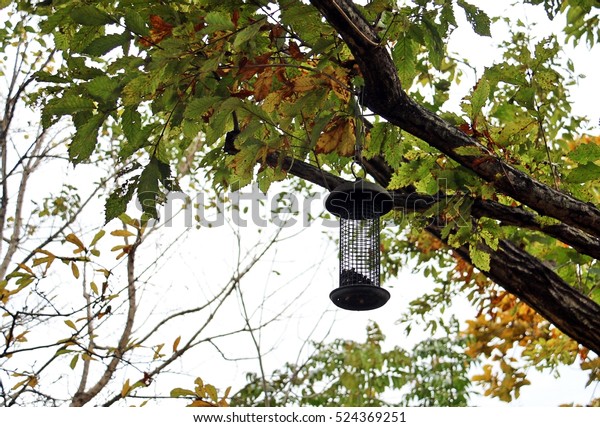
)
(74, 361)
(585, 153)
(135, 23)
(85, 139)
(148, 188)
(102, 88)
(468, 151)
(479, 96)
(104, 44)
(405, 56)
(97, 237)
(180, 392)
(218, 21)
(477, 18)
(480, 259)
(247, 34)
(90, 15)
(198, 106)
(584, 173)
(67, 105)
(117, 201)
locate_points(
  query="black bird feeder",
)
(359, 205)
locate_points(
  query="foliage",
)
(348, 373)
(240, 89)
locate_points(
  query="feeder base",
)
(359, 297)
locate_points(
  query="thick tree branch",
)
(511, 267)
(384, 96)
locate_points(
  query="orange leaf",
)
(176, 344)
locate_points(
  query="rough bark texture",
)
(511, 267)
(384, 96)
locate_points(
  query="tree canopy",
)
(496, 200)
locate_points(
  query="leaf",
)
(90, 15)
(180, 392)
(246, 35)
(404, 54)
(176, 344)
(197, 107)
(479, 96)
(211, 391)
(148, 188)
(72, 238)
(70, 324)
(117, 201)
(585, 153)
(97, 237)
(125, 389)
(584, 173)
(94, 288)
(468, 151)
(104, 44)
(135, 23)
(477, 18)
(75, 270)
(74, 361)
(480, 259)
(122, 233)
(68, 104)
(85, 140)
(217, 21)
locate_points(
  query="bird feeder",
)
(359, 205)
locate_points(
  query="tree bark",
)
(384, 95)
(510, 267)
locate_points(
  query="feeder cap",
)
(359, 200)
(359, 297)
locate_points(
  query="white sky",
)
(206, 257)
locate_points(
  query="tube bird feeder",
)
(359, 206)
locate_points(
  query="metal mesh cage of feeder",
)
(359, 206)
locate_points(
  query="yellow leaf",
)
(125, 389)
(211, 391)
(19, 384)
(71, 238)
(70, 324)
(97, 237)
(94, 288)
(176, 343)
(27, 269)
(122, 233)
(157, 350)
(75, 270)
(338, 137)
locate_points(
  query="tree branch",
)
(384, 96)
(512, 268)
(81, 398)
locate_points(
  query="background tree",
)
(500, 192)
(79, 321)
(347, 373)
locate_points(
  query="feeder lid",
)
(359, 200)
(359, 297)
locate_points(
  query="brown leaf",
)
(338, 137)
(295, 52)
(158, 31)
